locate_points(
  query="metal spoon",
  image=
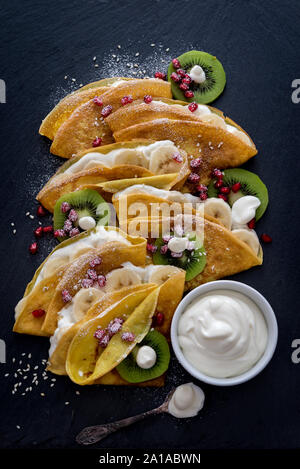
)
(90, 435)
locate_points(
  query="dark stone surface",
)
(258, 44)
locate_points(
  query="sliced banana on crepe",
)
(249, 237)
(219, 209)
(123, 277)
(84, 299)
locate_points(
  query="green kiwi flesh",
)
(214, 83)
(193, 262)
(251, 184)
(131, 372)
(86, 202)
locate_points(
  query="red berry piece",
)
(95, 261)
(48, 229)
(59, 234)
(114, 326)
(68, 226)
(266, 238)
(184, 86)
(159, 319)
(176, 63)
(98, 101)
(66, 296)
(73, 215)
(194, 178)
(177, 157)
(99, 334)
(87, 283)
(189, 94)
(251, 224)
(38, 233)
(41, 212)
(218, 184)
(33, 248)
(126, 100)
(196, 163)
(225, 190)
(101, 281)
(203, 195)
(147, 99)
(201, 188)
(160, 75)
(97, 142)
(217, 173)
(104, 341)
(193, 107)
(92, 274)
(181, 73)
(151, 248)
(223, 196)
(176, 78)
(65, 207)
(236, 187)
(187, 80)
(74, 232)
(106, 111)
(128, 337)
(164, 249)
(38, 313)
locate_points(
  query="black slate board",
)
(258, 44)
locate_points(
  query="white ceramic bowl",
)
(264, 307)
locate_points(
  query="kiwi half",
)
(251, 184)
(87, 203)
(131, 372)
(193, 262)
(214, 83)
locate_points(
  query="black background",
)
(258, 44)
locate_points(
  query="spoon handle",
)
(90, 435)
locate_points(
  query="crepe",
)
(111, 244)
(135, 159)
(226, 254)
(218, 148)
(171, 280)
(79, 131)
(62, 111)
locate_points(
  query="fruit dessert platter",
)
(138, 152)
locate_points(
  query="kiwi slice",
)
(87, 203)
(131, 372)
(193, 262)
(215, 78)
(251, 184)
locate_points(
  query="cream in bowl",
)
(224, 332)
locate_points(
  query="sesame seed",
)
(67, 403)
(31, 216)
(18, 427)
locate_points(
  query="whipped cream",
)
(243, 210)
(222, 333)
(173, 196)
(146, 357)
(187, 401)
(197, 74)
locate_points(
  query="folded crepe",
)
(86, 123)
(108, 243)
(218, 147)
(62, 111)
(89, 303)
(135, 159)
(226, 253)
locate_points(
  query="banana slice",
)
(162, 161)
(249, 237)
(120, 278)
(81, 248)
(161, 273)
(130, 157)
(53, 264)
(219, 209)
(214, 119)
(84, 299)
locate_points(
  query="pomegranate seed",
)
(266, 238)
(151, 248)
(203, 195)
(99, 334)
(128, 337)
(175, 77)
(189, 94)
(164, 249)
(217, 173)
(147, 99)
(38, 313)
(176, 63)
(218, 184)
(59, 234)
(65, 207)
(68, 226)
(159, 319)
(160, 75)
(194, 178)
(87, 283)
(41, 212)
(251, 224)
(92, 274)
(166, 238)
(184, 86)
(225, 190)
(177, 157)
(98, 101)
(114, 326)
(193, 107)
(181, 73)
(196, 163)
(187, 80)
(74, 232)
(106, 111)
(126, 100)
(223, 196)
(73, 215)
(96, 261)
(66, 296)
(48, 229)
(104, 341)
(97, 142)
(38, 233)
(236, 187)
(101, 281)
(33, 248)
(201, 188)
